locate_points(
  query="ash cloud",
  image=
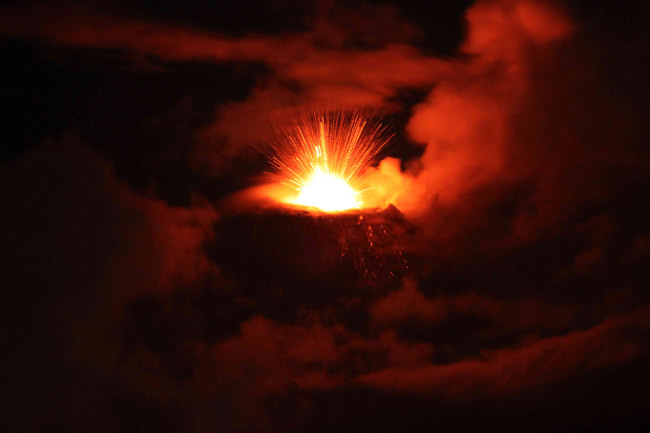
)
(514, 273)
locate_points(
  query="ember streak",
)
(343, 251)
(323, 158)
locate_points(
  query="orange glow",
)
(322, 160)
(327, 192)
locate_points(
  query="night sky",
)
(501, 286)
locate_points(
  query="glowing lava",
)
(323, 158)
(327, 192)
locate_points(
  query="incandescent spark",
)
(323, 159)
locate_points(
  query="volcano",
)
(314, 260)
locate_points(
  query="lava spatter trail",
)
(322, 160)
(315, 259)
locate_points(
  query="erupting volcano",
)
(325, 216)
(322, 160)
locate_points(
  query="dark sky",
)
(505, 288)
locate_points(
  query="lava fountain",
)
(330, 233)
(323, 158)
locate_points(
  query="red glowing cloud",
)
(520, 226)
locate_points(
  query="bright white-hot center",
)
(327, 192)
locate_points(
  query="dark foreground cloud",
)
(527, 364)
(81, 245)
